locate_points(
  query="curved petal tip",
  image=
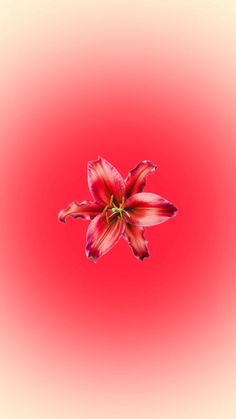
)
(86, 209)
(135, 182)
(62, 216)
(137, 241)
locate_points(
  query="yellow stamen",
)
(108, 205)
(111, 200)
(105, 209)
(119, 211)
(111, 215)
(123, 202)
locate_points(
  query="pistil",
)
(120, 211)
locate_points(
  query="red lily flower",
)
(120, 208)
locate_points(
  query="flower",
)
(119, 208)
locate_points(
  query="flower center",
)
(120, 211)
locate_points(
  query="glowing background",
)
(128, 80)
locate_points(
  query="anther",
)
(123, 202)
(111, 201)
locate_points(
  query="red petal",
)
(103, 235)
(104, 180)
(87, 210)
(136, 179)
(148, 209)
(136, 240)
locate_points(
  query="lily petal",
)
(135, 237)
(148, 209)
(87, 210)
(104, 180)
(136, 179)
(103, 235)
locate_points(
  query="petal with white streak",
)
(148, 209)
(103, 233)
(104, 180)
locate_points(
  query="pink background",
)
(119, 338)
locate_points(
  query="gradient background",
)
(128, 80)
